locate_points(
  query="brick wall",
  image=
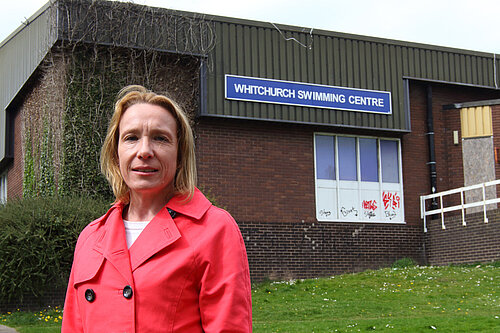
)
(306, 250)
(52, 298)
(449, 161)
(457, 244)
(15, 173)
(258, 171)
(263, 174)
(495, 116)
(415, 154)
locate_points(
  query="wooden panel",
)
(476, 122)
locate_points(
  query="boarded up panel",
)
(479, 167)
(476, 122)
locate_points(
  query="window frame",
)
(358, 187)
(3, 188)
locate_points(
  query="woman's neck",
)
(143, 207)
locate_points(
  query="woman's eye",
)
(161, 138)
(130, 138)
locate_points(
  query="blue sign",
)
(253, 89)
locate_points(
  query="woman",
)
(162, 259)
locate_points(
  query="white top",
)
(133, 230)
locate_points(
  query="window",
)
(358, 179)
(3, 188)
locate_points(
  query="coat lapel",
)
(162, 231)
(158, 234)
(113, 245)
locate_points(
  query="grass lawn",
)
(413, 299)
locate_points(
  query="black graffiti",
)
(325, 213)
(390, 214)
(370, 214)
(346, 211)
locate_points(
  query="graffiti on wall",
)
(369, 208)
(325, 213)
(392, 203)
(348, 211)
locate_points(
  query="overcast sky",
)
(464, 24)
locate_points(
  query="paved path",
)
(5, 329)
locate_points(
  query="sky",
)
(464, 24)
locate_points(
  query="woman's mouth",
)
(145, 170)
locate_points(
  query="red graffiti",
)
(391, 200)
(369, 204)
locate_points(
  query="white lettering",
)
(239, 87)
(308, 95)
(266, 91)
(327, 97)
(369, 101)
(249, 89)
(305, 94)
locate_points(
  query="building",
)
(319, 143)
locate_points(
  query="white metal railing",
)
(441, 210)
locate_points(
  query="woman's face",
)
(147, 149)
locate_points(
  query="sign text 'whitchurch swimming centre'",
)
(253, 89)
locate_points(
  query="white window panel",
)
(3, 188)
(369, 186)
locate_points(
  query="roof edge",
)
(488, 102)
(27, 22)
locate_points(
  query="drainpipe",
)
(432, 151)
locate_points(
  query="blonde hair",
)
(185, 177)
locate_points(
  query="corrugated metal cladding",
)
(320, 57)
(20, 55)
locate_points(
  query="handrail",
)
(441, 210)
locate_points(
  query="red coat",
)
(187, 274)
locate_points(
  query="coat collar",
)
(158, 234)
(194, 208)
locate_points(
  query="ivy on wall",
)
(46, 185)
(29, 180)
(87, 68)
(94, 76)
(39, 177)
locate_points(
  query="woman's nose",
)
(145, 149)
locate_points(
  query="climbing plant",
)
(99, 55)
(29, 180)
(95, 77)
(46, 184)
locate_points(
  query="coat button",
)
(89, 295)
(127, 292)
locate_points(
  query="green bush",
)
(404, 263)
(37, 239)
